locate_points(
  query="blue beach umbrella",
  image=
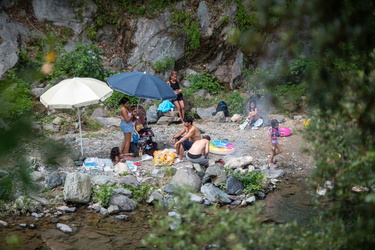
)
(141, 85)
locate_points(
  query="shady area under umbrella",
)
(141, 85)
(75, 93)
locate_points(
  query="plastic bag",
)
(165, 106)
(163, 158)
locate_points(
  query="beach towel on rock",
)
(95, 163)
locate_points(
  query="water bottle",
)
(140, 152)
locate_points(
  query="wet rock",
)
(113, 209)
(64, 228)
(122, 217)
(23, 225)
(3, 223)
(32, 226)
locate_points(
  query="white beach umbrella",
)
(75, 93)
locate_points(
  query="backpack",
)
(222, 106)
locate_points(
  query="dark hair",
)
(188, 119)
(255, 104)
(172, 73)
(274, 122)
(114, 152)
(123, 100)
(207, 137)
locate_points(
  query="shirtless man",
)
(183, 143)
(199, 151)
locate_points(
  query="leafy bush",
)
(184, 20)
(164, 65)
(203, 81)
(140, 194)
(251, 180)
(102, 194)
(85, 61)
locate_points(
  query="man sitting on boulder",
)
(199, 151)
(184, 143)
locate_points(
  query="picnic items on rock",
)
(164, 158)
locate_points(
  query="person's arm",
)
(177, 135)
(126, 116)
(187, 136)
(207, 149)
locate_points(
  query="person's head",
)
(114, 152)
(253, 104)
(173, 75)
(188, 119)
(207, 137)
(124, 100)
(274, 123)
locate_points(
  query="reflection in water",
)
(292, 200)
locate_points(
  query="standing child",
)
(276, 149)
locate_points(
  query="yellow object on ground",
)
(164, 158)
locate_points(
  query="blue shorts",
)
(126, 127)
(186, 144)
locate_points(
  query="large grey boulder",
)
(186, 176)
(71, 14)
(123, 202)
(11, 34)
(239, 162)
(154, 42)
(77, 188)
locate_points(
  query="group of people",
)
(189, 139)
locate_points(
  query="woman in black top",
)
(179, 101)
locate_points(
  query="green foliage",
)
(113, 101)
(85, 61)
(6, 187)
(186, 21)
(170, 171)
(246, 16)
(164, 65)
(102, 194)
(251, 180)
(203, 81)
(92, 124)
(141, 193)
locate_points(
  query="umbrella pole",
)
(80, 130)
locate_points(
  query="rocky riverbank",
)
(70, 185)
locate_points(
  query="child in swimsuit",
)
(274, 133)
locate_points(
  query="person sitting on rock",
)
(184, 143)
(199, 151)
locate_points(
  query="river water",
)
(291, 200)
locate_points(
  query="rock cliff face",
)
(139, 42)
